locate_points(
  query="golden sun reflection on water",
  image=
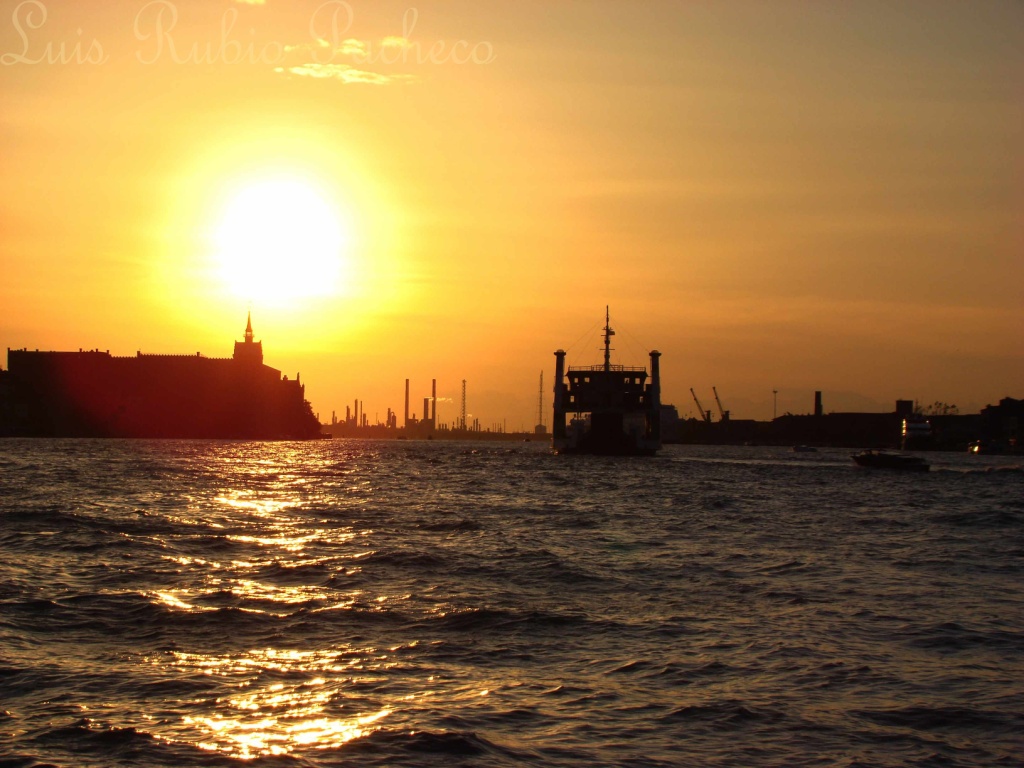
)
(271, 557)
(247, 502)
(279, 736)
(275, 718)
(264, 597)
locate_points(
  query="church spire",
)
(249, 351)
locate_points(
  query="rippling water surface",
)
(427, 603)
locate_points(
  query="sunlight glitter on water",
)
(262, 659)
(276, 718)
(172, 601)
(289, 543)
(244, 501)
(278, 736)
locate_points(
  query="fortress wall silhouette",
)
(95, 394)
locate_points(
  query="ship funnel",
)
(558, 422)
(654, 396)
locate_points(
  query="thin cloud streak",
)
(346, 73)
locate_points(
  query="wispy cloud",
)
(366, 56)
(353, 47)
(344, 72)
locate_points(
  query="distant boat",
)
(916, 433)
(886, 460)
(804, 449)
(993, 447)
(615, 411)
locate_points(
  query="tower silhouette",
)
(249, 351)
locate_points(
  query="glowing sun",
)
(280, 240)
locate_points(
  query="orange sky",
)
(790, 196)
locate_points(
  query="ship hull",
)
(604, 450)
(583, 438)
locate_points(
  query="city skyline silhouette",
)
(778, 198)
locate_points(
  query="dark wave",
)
(411, 747)
(497, 619)
(953, 637)
(88, 743)
(947, 718)
(98, 744)
(23, 761)
(285, 574)
(989, 518)
(730, 713)
(450, 526)
(402, 558)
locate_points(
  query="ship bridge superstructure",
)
(616, 409)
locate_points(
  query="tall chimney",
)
(426, 409)
(406, 403)
(433, 403)
(817, 403)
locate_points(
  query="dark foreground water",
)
(434, 604)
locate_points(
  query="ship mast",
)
(608, 333)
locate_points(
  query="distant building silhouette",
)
(96, 394)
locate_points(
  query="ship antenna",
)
(608, 333)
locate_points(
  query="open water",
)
(346, 603)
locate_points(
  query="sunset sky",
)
(791, 196)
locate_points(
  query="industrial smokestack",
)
(817, 404)
(433, 401)
(462, 418)
(406, 402)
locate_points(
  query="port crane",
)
(721, 411)
(706, 415)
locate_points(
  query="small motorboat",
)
(804, 449)
(887, 460)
